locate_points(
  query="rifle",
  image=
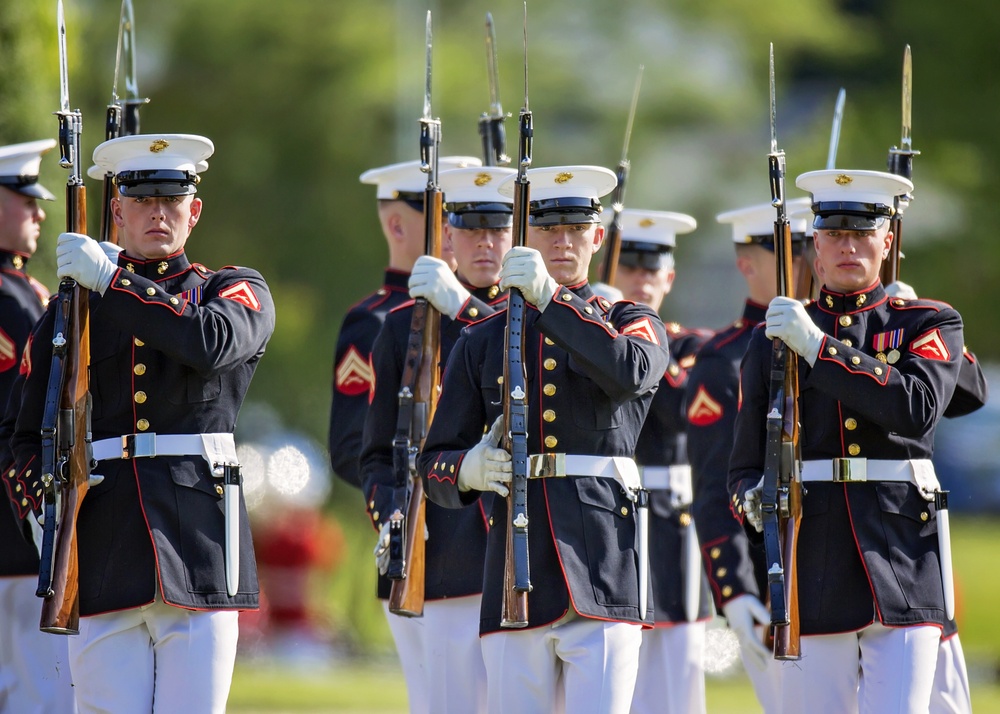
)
(66, 450)
(781, 498)
(900, 163)
(491, 128)
(123, 114)
(417, 395)
(609, 268)
(516, 574)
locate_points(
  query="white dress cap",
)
(474, 185)
(853, 200)
(403, 180)
(151, 152)
(659, 228)
(755, 224)
(97, 173)
(19, 164)
(584, 182)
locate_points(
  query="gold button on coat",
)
(624, 511)
(851, 423)
(549, 364)
(721, 573)
(715, 553)
(139, 369)
(854, 449)
(855, 360)
(847, 343)
(151, 291)
(219, 490)
(567, 296)
(140, 397)
(832, 350)
(138, 342)
(126, 282)
(550, 442)
(727, 591)
(473, 311)
(142, 424)
(549, 415)
(174, 301)
(845, 320)
(878, 371)
(549, 390)
(549, 342)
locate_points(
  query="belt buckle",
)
(849, 470)
(136, 446)
(549, 465)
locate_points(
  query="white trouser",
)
(875, 670)
(408, 634)
(574, 665)
(766, 682)
(442, 659)
(34, 666)
(951, 680)
(671, 676)
(155, 658)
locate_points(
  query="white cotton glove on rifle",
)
(901, 290)
(486, 467)
(81, 257)
(381, 551)
(433, 280)
(111, 250)
(524, 269)
(787, 320)
(608, 292)
(751, 506)
(743, 613)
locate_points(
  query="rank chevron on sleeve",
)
(704, 410)
(641, 328)
(354, 374)
(241, 292)
(931, 345)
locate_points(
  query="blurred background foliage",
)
(300, 97)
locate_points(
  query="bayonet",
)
(838, 117)
(430, 128)
(126, 53)
(427, 84)
(491, 128)
(609, 268)
(69, 121)
(901, 159)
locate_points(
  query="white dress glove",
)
(111, 250)
(486, 467)
(608, 292)
(788, 321)
(901, 290)
(524, 269)
(743, 613)
(82, 258)
(751, 506)
(433, 280)
(381, 551)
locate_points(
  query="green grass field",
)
(373, 684)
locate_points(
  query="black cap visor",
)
(850, 215)
(563, 211)
(645, 259)
(158, 182)
(473, 220)
(766, 241)
(27, 186)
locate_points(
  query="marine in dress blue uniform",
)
(712, 400)
(876, 375)
(34, 669)
(478, 231)
(400, 195)
(672, 657)
(592, 370)
(174, 346)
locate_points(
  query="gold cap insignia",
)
(564, 177)
(646, 223)
(482, 179)
(158, 145)
(843, 179)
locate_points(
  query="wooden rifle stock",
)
(61, 604)
(406, 596)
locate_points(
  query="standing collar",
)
(845, 303)
(12, 261)
(155, 269)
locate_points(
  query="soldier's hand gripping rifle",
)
(613, 243)
(491, 128)
(900, 163)
(516, 574)
(781, 496)
(123, 113)
(417, 394)
(66, 449)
